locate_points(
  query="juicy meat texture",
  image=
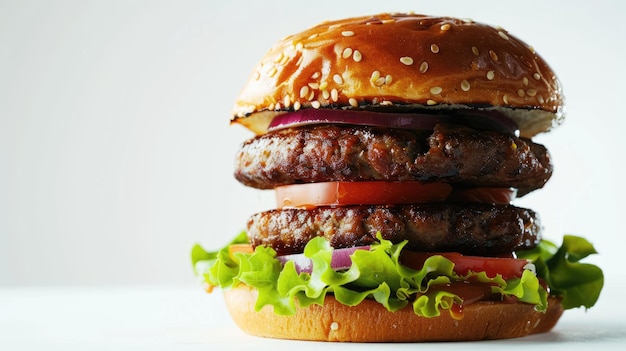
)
(452, 154)
(471, 229)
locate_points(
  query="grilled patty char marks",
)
(453, 154)
(472, 229)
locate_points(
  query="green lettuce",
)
(579, 284)
(377, 274)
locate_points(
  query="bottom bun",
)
(371, 322)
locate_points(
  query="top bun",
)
(403, 62)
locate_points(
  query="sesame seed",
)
(315, 104)
(286, 59)
(386, 103)
(423, 67)
(315, 75)
(304, 91)
(503, 35)
(505, 99)
(271, 106)
(388, 79)
(334, 94)
(353, 102)
(325, 94)
(347, 52)
(356, 56)
(299, 46)
(314, 86)
(388, 21)
(257, 75)
(313, 36)
(475, 50)
(272, 71)
(375, 75)
(334, 26)
(436, 90)
(493, 55)
(491, 75)
(297, 105)
(434, 48)
(445, 26)
(277, 106)
(525, 81)
(465, 86)
(323, 85)
(521, 93)
(540, 99)
(431, 102)
(537, 76)
(347, 33)
(287, 101)
(406, 60)
(279, 57)
(300, 59)
(379, 82)
(531, 49)
(337, 79)
(311, 96)
(334, 326)
(531, 92)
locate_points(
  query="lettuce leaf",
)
(578, 283)
(375, 274)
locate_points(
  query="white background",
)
(116, 152)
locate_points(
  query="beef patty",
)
(453, 154)
(472, 229)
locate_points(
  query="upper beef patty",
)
(472, 229)
(453, 154)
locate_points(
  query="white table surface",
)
(185, 318)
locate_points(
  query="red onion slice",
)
(481, 119)
(488, 120)
(378, 119)
(339, 261)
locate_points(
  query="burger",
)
(395, 145)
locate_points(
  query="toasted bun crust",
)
(371, 322)
(404, 62)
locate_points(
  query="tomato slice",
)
(245, 248)
(492, 266)
(311, 195)
(503, 196)
(469, 292)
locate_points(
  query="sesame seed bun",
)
(371, 322)
(403, 62)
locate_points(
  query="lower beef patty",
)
(472, 229)
(358, 153)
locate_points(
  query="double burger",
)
(395, 145)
